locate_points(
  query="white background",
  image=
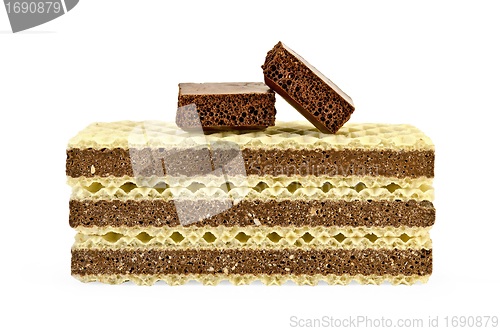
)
(433, 64)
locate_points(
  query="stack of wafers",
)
(152, 202)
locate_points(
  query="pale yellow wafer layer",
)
(247, 279)
(296, 135)
(259, 233)
(254, 181)
(390, 193)
(298, 238)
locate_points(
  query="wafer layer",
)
(250, 278)
(278, 193)
(239, 237)
(324, 182)
(179, 233)
(285, 135)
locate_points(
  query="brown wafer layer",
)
(295, 213)
(253, 261)
(259, 162)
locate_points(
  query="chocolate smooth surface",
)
(223, 88)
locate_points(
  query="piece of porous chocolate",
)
(315, 96)
(225, 106)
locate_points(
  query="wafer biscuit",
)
(145, 192)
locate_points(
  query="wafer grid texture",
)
(285, 135)
(178, 233)
(259, 237)
(247, 279)
(278, 193)
(297, 135)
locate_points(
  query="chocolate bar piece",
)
(225, 106)
(315, 96)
